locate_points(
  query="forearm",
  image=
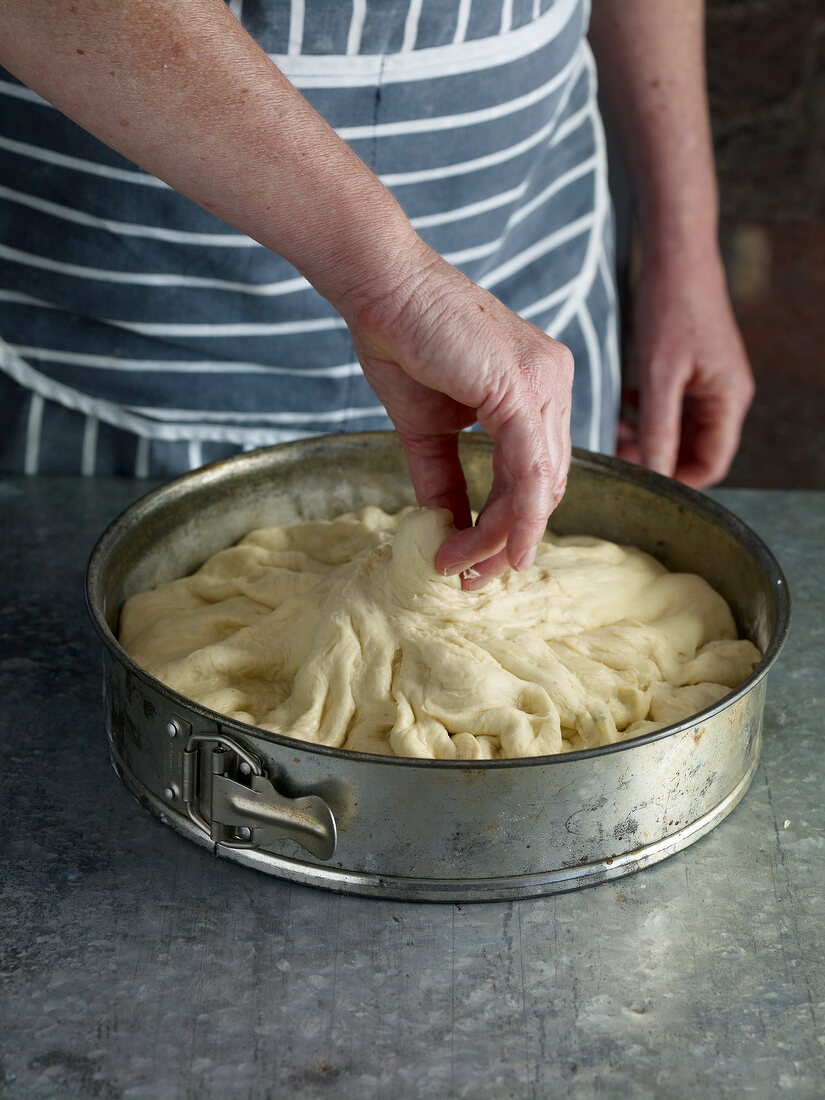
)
(687, 359)
(650, 59)
(183, 91)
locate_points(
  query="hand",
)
(441, 354)
(692, 373)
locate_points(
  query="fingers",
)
(660, 417)
(437, 476)
(482, 571)
(708, 429)
(627, 430)
(716, 403)
(538, 484)
(710, 438)
(692, 409)
(466, 549)
(518, 517)
(530, 464)
(531, 426)
(438, 480)
(627, 446)
(692, 370)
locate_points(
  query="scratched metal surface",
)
(136, 965)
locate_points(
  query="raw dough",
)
(342, 633)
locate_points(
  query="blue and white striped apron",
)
(140, 335)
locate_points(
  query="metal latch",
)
(245, 809)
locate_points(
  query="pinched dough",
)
(342, 633)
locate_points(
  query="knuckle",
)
(543, 362)
(543, 472)
(559, 490)
(566, 364)
(552, 365)
(500, 404)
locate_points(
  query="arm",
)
(183, 91)
(694, 381)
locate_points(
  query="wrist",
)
(680, 217)
(370, 263)
(682, 229)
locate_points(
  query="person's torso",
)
(480, 117)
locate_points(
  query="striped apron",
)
(140, 335)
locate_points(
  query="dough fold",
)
(343, 633)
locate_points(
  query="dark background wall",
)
(766, 80)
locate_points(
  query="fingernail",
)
(470, 574)
(454, 570)
(474, 583)
(526, 560)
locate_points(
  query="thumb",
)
(660, 419)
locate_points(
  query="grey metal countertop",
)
(136, 965)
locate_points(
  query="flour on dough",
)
(342, 633)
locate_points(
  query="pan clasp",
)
(245, 810)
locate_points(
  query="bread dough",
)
(343, 633)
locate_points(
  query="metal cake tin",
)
(421, 829)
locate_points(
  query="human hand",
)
(693, 383)
(441, 354)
